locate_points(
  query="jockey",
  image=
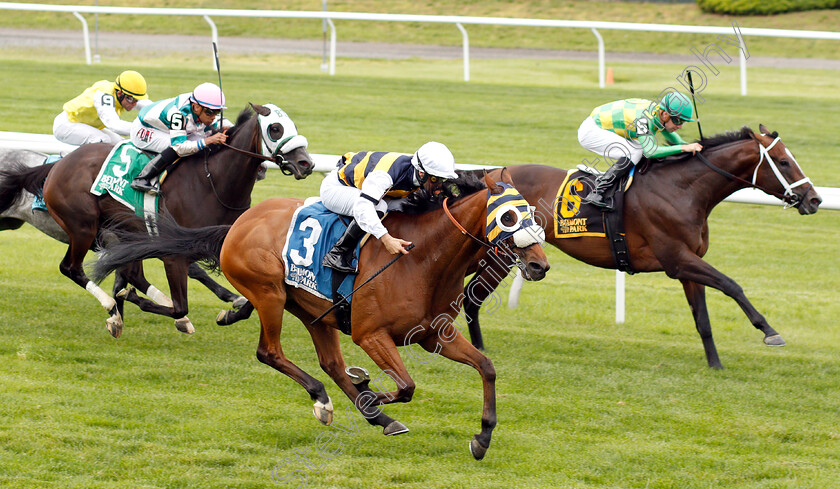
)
(357, 188)
(177, 127)
(94, 116)
(625, 130)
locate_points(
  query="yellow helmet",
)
(132, 83)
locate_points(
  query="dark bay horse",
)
(414, 301)
(21, 212)
(207, 188)
(665, 218)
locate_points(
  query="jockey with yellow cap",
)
(361, 182)
(177, 127)
(94, 115)
(624, 131)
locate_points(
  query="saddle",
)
(574, 218)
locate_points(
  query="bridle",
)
(491, 248)
(789, 198)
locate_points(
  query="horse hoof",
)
(222, 318)
(324, 412)
(114, 325)
(357, 374)
(239, 302)
(395, 428)
(774, 340)
(123, 294)
(476, 450)
(184, 325)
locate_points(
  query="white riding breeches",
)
(77, 133)
(155, 140)
(608, 144)
(343, 200)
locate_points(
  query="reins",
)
(461, 228)
(788, 197)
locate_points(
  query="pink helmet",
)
(209, 95)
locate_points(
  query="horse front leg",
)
(696, 296)
(694, 269)
(195, 272)
(486, 280)
(460, 350)
(177, 307)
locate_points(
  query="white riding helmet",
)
(435, 159)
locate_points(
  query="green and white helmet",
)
(678, 105)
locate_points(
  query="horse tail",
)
(202, 245)
(18, 178)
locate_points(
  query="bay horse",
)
(21, 212)
(414, 301)
(207, 188)
(666, 214)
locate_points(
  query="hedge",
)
(764, 7)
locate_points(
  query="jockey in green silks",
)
(625, 130)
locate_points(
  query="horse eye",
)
(507, 218)
(784, 162)
(275, 130)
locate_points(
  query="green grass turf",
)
(582, 402)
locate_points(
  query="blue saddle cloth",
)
(38, 203)
(313, 232)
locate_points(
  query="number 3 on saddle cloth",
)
(313, 232)
(121, 166)
(574, 218)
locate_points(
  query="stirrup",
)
(337, 262)
(145, 186)
(603, 202)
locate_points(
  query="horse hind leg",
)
(270, 352)
(71, 268)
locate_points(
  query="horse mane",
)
(244, 116)
(726, 138)
(420, 202)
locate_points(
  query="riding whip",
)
(221, 93)
(696, 114)
(393, 260)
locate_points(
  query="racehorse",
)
(414, 301)
(666, 214)
(207, 188)
(21, 212)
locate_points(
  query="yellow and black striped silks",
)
(354, 167)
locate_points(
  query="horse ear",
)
(259, 109)
(506, 177)
(494, 189)
(763, 129)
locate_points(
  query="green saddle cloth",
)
(123, 164)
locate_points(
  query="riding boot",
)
(143, 182)
(605, 182)
(340, 257)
